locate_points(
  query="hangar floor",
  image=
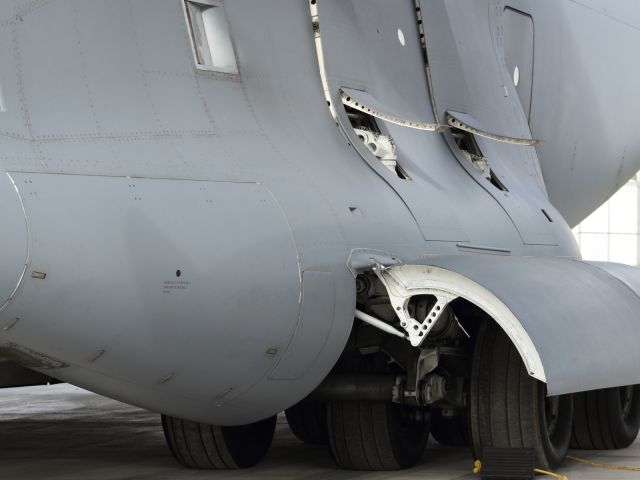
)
(63, 432)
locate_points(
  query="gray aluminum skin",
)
(186, 241)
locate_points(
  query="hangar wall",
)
(612, 232)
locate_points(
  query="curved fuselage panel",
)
(194, 232)
(584, 100)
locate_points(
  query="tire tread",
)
(505, 401)
(308, 421)
(598, 423)
(361, 437)
(202, 446)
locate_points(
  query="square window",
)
(210, 37)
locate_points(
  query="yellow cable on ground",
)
(602, 465)
(477, 468)
(551, 474)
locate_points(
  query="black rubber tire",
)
(203, 446)
(374, 436)
(450, 432)
(308, 421)
(600, 421)
(508, 408)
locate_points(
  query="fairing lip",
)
(552, 308)
(422, 279)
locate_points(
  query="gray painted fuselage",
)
(186, 240)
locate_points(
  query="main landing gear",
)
(466, 385)
(372, 432)
(510, 409)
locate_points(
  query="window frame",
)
(233, 70)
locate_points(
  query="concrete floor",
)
(63, 432)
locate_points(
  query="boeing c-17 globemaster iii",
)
(358, 212)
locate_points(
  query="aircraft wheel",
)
(374, 435)
(203, 446)
(450, 432)
(606, 419)
(509, 408)
(308, 421)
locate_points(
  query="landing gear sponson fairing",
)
(355, 210)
